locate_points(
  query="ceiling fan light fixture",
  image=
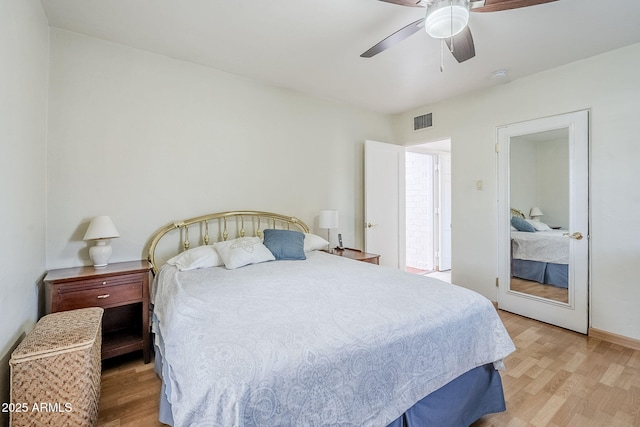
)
(446, 18)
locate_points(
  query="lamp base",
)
(100, 253)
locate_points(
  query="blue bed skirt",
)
(457, 404)
(542, 272)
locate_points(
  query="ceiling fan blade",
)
(395, 38)
(410, 3)
(498, 5)
(463, 47)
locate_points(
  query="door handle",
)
(577, 235)
(369, 225)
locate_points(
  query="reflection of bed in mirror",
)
(538, 253)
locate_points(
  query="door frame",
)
(576, 314)
(444, 228)
(438, 150)
(395, 171)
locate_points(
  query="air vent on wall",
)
(422, 122)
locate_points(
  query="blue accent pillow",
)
(522, 225)
(285, 244)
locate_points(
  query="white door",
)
(384, 223)
(539, 176)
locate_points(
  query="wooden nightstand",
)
(357, 255)
(122, 289)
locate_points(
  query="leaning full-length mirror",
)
(543, 211)
(539, 195)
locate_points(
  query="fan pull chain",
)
(441, 55)
(451, 24)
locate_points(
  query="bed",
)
(538, 253)
(312, 338)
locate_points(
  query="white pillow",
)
(313, 242)
(199, 257)
(243, 251)
(539, 226)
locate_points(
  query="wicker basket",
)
(55, 371)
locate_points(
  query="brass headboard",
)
(516, 212)
(218, 226)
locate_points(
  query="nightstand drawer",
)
(103, 296)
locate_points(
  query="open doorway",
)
(428, 209)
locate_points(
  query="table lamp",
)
(328, 219)
(102, 230)
(535, 213)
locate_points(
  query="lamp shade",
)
(446, 18)
(535, 212)
(328, 219)
(101, 227)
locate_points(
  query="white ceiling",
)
(314, 46)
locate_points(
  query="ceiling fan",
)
(447, 20)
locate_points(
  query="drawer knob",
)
(104, 283)
(104, 296)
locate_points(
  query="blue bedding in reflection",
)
(542, 272)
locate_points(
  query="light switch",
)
(479, 185)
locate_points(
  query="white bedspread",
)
(326, 341)
(543, 246)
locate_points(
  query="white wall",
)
(539, 176)
(608, 85)
(523, 173)
(553, 182)
(23, 102)
(148, 140)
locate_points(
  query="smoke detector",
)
(499, 76)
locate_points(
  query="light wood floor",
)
(538, 289)
(555, 378)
